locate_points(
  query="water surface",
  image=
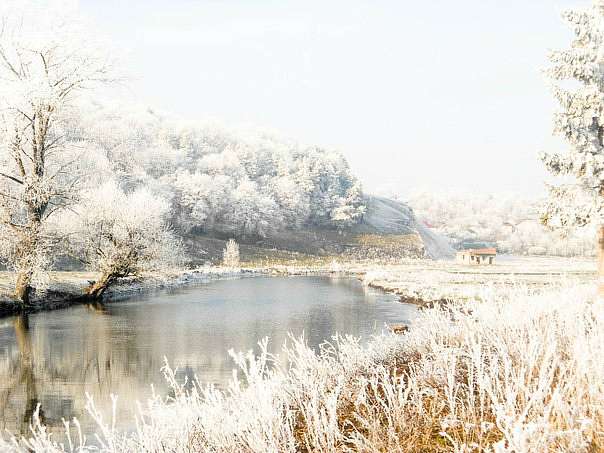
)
(53, 358)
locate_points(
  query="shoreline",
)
(493, 322)
(418, 282)
(405, 372)
(57, 299)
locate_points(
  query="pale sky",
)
(425, 93)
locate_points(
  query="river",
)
(54, 358)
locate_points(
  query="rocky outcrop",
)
(389, 217)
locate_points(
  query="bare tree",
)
(46, 61)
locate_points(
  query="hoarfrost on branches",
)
(508, 221)
(45, 63)
(121, 234)
(230, 181)
(59, 149)
(577, 80)
(515, 372)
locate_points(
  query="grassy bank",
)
(513, 372)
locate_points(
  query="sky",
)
(424, 94)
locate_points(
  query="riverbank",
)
(422, 282)
(427, 283)
(119, 348)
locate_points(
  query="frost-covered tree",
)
(230, 254)
(241, 183)
(350, 209)
(577, 76)
(45, 63)
(122, 234)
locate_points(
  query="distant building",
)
(476, 256)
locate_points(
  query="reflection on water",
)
(53, 358)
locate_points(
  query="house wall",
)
(466, 258)
(484, 259)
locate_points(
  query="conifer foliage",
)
(577, 81)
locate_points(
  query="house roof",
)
(485, 251)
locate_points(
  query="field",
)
(426, 282)
(446, 281)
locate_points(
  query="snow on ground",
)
(417, 281)
(389, 217)
(385, 216)
(427, 282)
(437, 246)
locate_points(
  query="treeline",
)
(509, 222)
(115, 187)
(221, 180)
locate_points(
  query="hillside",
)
(388, 230)
(204, 183)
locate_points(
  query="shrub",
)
(230, 255)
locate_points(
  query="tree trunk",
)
(23, 287)
(98, 288)
(601, 260)
(27, 246)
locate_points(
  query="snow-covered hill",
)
(385, 216)
(388, 230)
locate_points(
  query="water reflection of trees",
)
(55, 358)
(55, 364)
(19, 380)
(37, 367)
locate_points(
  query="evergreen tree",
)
(577, 77)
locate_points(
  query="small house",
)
(477, 256)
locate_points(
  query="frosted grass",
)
(516, 372)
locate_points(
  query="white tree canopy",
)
(508, 221)
(122, 234)
(225, 180)
(577, 79)
(46, 60)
